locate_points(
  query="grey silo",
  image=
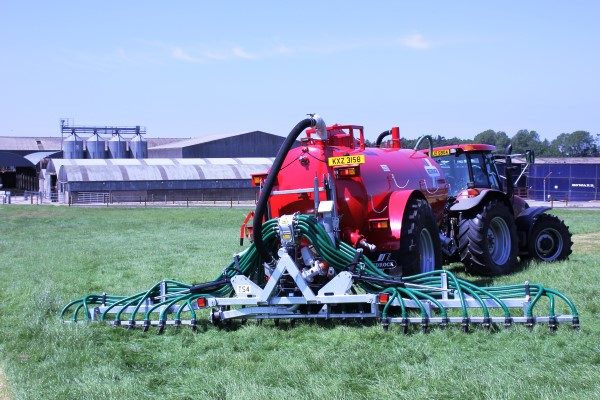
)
(95, 147)
(138, 147)
(117, 147)
(73, 147)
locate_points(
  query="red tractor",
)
(485, 225)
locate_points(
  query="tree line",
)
(574, 144)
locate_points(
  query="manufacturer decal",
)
(385, 261)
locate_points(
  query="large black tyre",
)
(420, 249)
(550, 239)
(487, 242)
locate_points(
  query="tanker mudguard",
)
(470, 203)
(397, 204)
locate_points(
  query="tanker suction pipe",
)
(261, 206)
(380, 138)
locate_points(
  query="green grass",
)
(50, 255)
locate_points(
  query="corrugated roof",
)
(159, 172)
(567, 160)
(205, 139)
(40, 155)
(33, 143)
(50, 143)
(55, 164)
(8, 159)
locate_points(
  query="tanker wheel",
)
(420, 249)
(550, 239)
(488, 241)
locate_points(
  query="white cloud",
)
(282, 49)
(180, 54)
(204, 53)
(199, 56)
(214, 55)
(415, 41)
(241, 53)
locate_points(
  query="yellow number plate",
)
(345, 160)
(439, 153)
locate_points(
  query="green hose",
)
(418, 288)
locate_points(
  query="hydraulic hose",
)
(382, 136)
(261, 206)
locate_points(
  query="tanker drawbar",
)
(312, 259)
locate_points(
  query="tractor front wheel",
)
(550, 239)
(488, 241)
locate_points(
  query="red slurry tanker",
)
(384, 200)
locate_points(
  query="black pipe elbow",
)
(261, 206)
(380, 138)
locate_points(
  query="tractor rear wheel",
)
(550, 239)
(420, 249)
(488, 241)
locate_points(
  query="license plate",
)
(345, 160)
(439, 153)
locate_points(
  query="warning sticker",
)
(430, 169)
(345, 160)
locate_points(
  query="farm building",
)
(22, 158)
(250, 144)
(158, 179)
(564, 179)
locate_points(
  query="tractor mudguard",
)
(528, 216)
(397, 204)
(473, 202)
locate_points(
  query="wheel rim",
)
(548, 244)
(427, 258)
(499, 242)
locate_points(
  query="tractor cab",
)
(468, 166)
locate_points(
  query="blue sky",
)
(196, 68)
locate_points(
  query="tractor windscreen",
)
(462, 168)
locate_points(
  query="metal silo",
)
(73, 147)
(138, 147)
(95, 146)
(117, 147)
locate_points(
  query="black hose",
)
(261, 206)
(380, 138)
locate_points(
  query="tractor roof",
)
(467, 147)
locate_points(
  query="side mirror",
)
(530, 156)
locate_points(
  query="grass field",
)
(50, 255)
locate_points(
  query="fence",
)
(181, 199)
(564, 182)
